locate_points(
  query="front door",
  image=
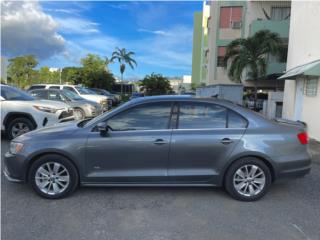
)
(206, 134)
(135, 149)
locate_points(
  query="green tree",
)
(72, 75)
(123, 58)
(94, 72)
(45, 76)
(251, 55)
(21, 70)
(155, 84)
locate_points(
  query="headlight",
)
(46, 109)
(15, 147)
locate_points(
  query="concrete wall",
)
(304, 39)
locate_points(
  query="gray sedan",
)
(83, 108)
(162, 141)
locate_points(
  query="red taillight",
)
(303, 138)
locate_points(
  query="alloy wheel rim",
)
(249, 180)
(19, 129)
(52, 178)
(78, 114)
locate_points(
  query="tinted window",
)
(201, 116)
(39, 94)
(236, 121)
(12, 94)
(37, 87)
(55, 96)
(150, 116)
(70, 89)
(54, 87)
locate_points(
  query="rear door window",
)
(201, 116)
(236, 121)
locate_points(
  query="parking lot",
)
(291, 210)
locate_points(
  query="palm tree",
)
(123, 58)
(251, 54)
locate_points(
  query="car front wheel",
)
(19, 126)
(248, 179)
(53, 176)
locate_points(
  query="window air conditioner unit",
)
(236, 25)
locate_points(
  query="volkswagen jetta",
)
(162, 141)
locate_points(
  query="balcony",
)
(280, 27)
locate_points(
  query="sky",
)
(61, 33)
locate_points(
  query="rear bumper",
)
(294, 168)
(295, 173)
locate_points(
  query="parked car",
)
(136, 95)
(115, 98)
(81, 91)
(21, 113)
(163, 141)
(82, 108)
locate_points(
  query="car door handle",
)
(226, 141)
(160, 141)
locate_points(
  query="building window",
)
(280, 13)
(310, 87)
(221, 55)
(230, 17)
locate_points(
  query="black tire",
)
(83, 115)
(54, 158)
(16, 121)
(229, 178)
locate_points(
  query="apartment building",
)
(302, 85)
(200, 46)
(229, 20)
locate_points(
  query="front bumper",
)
(9, 178)
(14, 168)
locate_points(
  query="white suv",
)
(85, 93)
(21, 113)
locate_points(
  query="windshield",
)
(84, 91)
(72, 95)
(12, 94)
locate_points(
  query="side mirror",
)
(102, 128)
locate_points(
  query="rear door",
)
(206, 134)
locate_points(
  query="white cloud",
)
(26, 29)
(72, 25)
(158, 32)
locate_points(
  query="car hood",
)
(94, 97)
(47, 132)
(84, 102)
(51, 104)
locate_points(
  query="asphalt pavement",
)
(291, 210)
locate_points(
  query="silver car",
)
(162, 141)
(82, 108)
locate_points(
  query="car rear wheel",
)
(248, 179)
(19, 126)
(53, 176)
